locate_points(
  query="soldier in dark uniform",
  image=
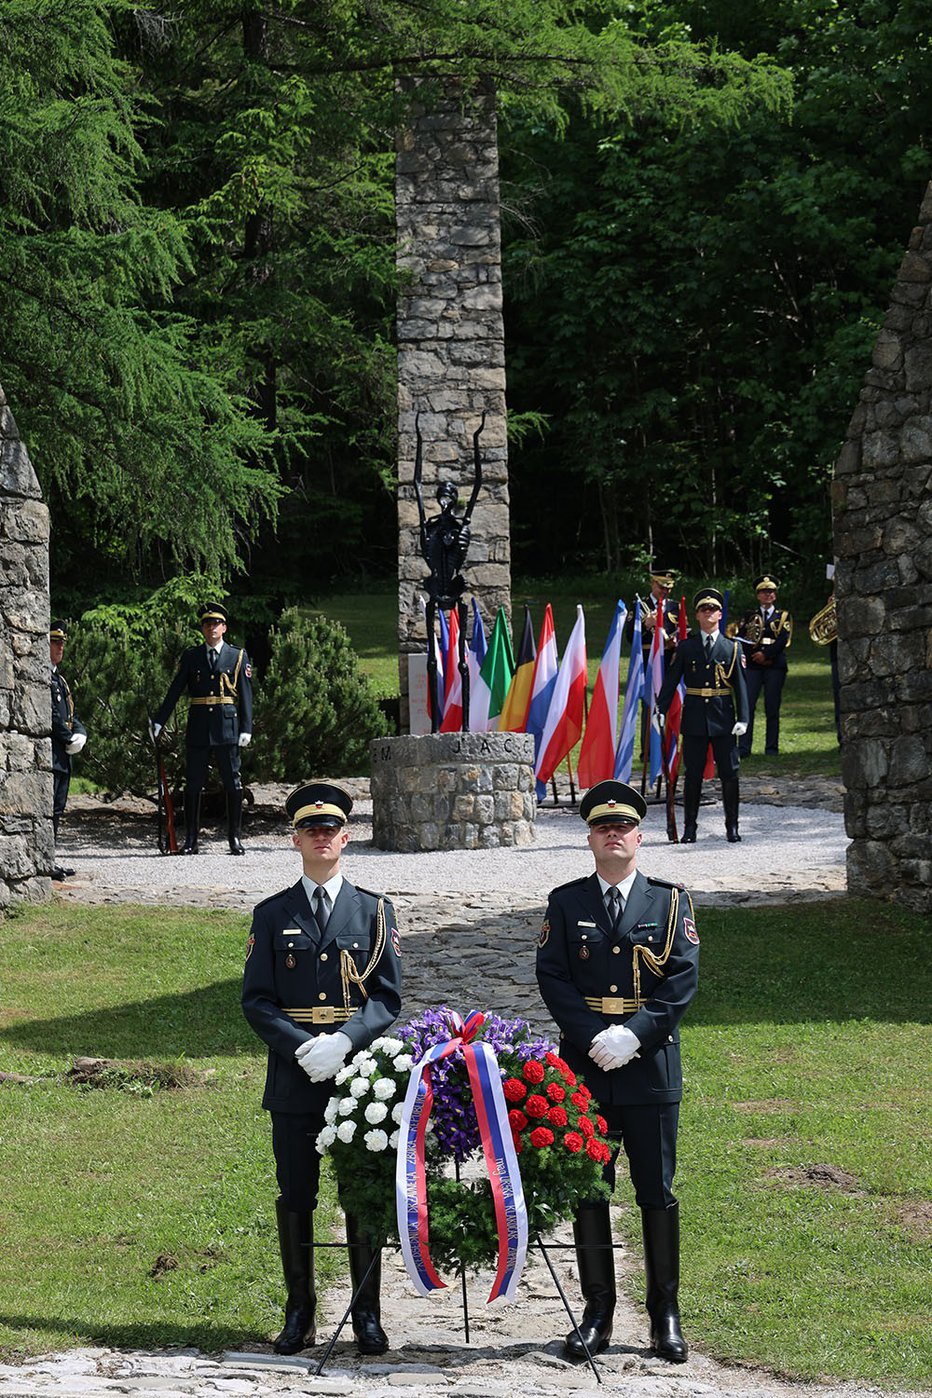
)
(322, 981)
(218, 679)
(767, 633)
(68, 735)
(658, 608)
(617, 966)
(715, 710)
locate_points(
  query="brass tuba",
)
(823, 628)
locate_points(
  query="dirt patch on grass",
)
(819, 1176)
(915, 1218)
(765, 1104)
(128, 1075)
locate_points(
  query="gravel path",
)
(479, 930)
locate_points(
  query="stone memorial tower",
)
(26, 841)
(882, 499)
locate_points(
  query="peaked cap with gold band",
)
(610, 801)
(765, 581)
(212, 611)
(319, 803)
(58, 631)
(665, 579)
(708, 596)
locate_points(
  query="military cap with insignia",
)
(765, 583)
(666, 577)
(319, 803)
(212, 611)
(58, 631)
(611, 801)
(708, 597)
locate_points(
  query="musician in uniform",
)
(617, 966)
(322, 981)
(715, 710)
(218, 680)
(68, 735)
(766, 634)
(657, 610)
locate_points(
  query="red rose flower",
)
(586, 1127)
(578, 1100)
(518, 1120)
(553, 1059)
(533, 1071)
(557, 1116)
(536, 1106)
(568, 1076)
(602, 1124)
(541, 1136)
(595, 1149)
(556, 1092)
(573, 1141)
(514, 1089)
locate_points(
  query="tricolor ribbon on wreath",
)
(500, 1158)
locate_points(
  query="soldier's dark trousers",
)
(771, 680)
(365, 1261)
(297, 1169)
(60, 784)
(728, 765)
(661, 1233)
(228, 762)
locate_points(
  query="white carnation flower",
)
(346, 1131)
(359, 1087)
(364, 1065)
(326, 1139)
(347, 1105)
(345, 1073)
(393, 1141)
(375, 1140)
(331, 1109)
(383, 1088)
(387, 1045)
(404, 1062)
(398, 1112)
(376, 1112)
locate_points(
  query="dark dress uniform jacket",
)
(708, 715)
(776, 635)
(212, 725)
(671, 621)
(292, 968)
(649, 966)
(64, 723)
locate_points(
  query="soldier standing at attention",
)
(657, 610)
(68, 735)
(322, 981)
(767, 633)
(218, 679)
(715, 710)
(617, 966)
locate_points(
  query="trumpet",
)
(823, 628)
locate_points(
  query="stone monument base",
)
(453, 791)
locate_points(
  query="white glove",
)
(76, 744)
(739, 730)
(155, 729)
(244, 739)
(323, 1057)
(614, 1047)
(661, 720)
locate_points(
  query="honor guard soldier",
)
(715, 710)
(766, 635)
(322, 981)
(68, 735)
(218, 680)
(657, 609)
(617, 966)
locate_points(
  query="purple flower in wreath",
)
(453, 1116)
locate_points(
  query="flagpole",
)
(569, 768)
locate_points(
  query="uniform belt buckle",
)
(611, 1005)
(325, 1014)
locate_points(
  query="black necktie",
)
(321, 907)
(212, 660)
(708, 647)
(616, 906)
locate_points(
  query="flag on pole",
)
(438, 656)
(624, 753)
(452, 720)
(494, 677)
(565, 716)
(675, 711)
(596, 760)
(475, 655)
(654, 683)
(724, 621)
(543, 680)
(514, 712)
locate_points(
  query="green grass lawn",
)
(145, 1218)
(807, 736)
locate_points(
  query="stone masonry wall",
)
(451, 346)
(26, 842)
(882, 499)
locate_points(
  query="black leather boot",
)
(295, 1238)
(661, 1230)
(366, 1278)
(592, 1230)
(235, 821)
(692, 793)
(731, 801)
(192, 811)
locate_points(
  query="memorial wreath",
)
(452, 1094)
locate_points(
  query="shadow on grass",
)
(154, 1335)
(202, 1023)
